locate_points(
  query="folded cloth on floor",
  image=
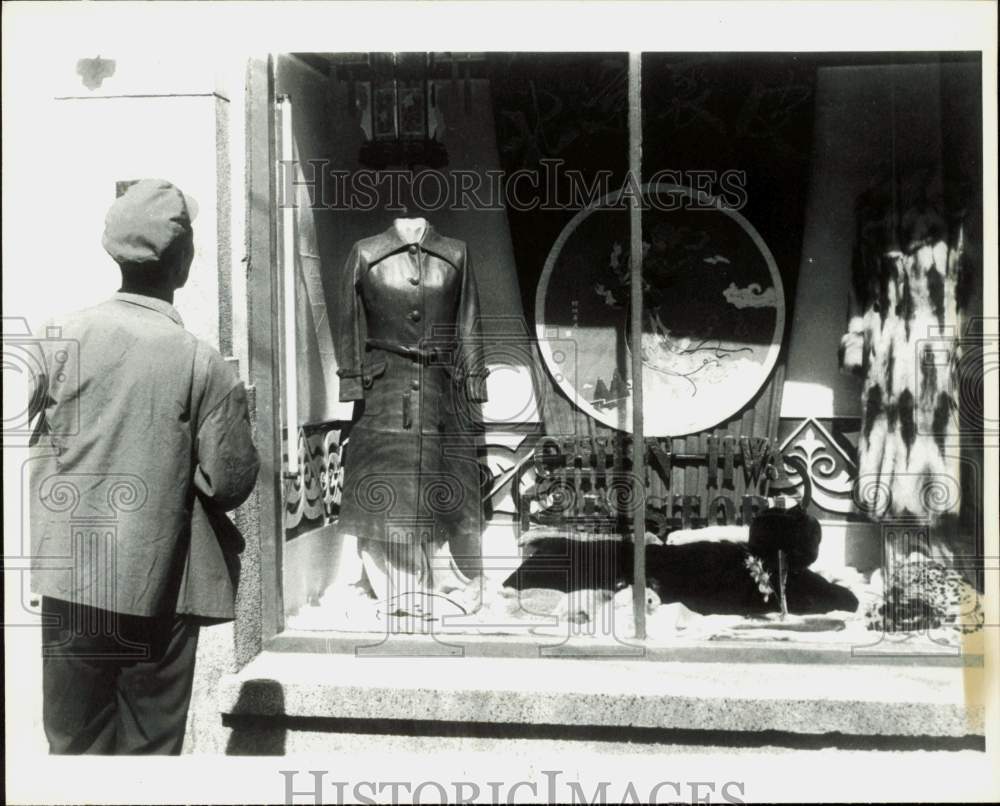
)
(711, 534)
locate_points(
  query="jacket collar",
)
(154, 304)
(390, 242)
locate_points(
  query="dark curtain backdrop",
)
(558, 106)
(700, 112)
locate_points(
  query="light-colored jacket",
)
(142, 443)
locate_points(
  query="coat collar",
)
(154, 304)
(389, 242)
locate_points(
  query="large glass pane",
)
(810, 280)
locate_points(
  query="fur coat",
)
(910, 271)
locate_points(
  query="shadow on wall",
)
(262, 734)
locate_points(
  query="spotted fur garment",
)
(910, 274)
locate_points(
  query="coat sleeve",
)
(226, 461)
(350, 331)
(470, 339)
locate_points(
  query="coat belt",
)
(413, 353)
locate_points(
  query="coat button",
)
(414, 281)
(413, 249)
(414, 385)
(414, 316)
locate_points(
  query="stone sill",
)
(855, 698)
(749, 650)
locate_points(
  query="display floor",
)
(547, 616)
(489, 610)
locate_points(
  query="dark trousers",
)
(115, 684)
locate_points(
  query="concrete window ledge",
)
(854, 699)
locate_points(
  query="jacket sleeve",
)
(350, 331)
(226, 461)
(38, 379)
(470, 340)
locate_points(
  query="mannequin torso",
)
(411, 230)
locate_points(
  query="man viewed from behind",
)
(142, 443)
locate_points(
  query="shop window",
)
(764, 198)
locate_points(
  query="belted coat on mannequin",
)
(410, 351)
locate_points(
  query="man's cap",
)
(145, 221)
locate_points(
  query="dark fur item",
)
(570, 565)
(712, 578)
(791, 530)
(707, 577)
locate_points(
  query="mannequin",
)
(411, 230)
(408, 342)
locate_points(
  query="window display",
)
(482, 257)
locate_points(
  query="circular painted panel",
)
(713, 312)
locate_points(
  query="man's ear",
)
(182, 267)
